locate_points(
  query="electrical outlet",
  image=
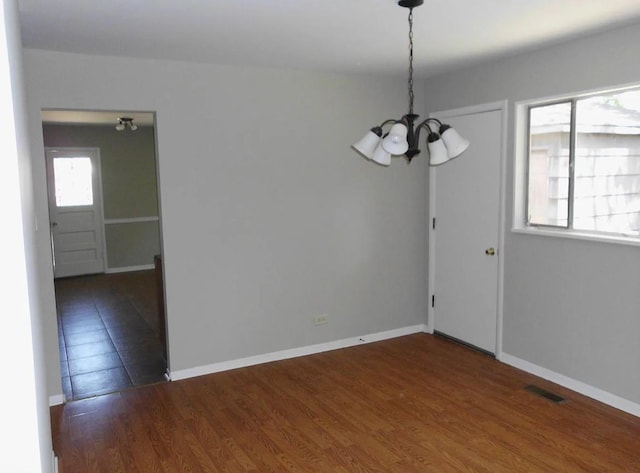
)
(321, 319)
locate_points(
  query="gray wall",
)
(570, 306)
(131, 245)
(269, 218)
(129, 186)
(25, 431)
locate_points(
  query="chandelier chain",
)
(410, 81)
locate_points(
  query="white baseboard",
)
(126, 269)
(295, 352)
(55, 468)
(573, 384)
(56, 400)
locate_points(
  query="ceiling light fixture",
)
(126, 122)
(443, 142)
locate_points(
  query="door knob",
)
(490, 251)
(54, 224)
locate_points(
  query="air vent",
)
(538, 391)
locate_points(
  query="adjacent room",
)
(105, 232)
(391, 236)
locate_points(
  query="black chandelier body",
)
(403, 138)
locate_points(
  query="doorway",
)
(110, 317)
(465, 244)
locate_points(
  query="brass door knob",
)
(490, 251)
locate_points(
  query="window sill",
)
(577, 235)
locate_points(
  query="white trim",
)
(431, 251)
(581, 94)
(503, 226)
(114, 221)
(295, 352)
(126, 269)
(56, 400)
(573, 384)
(480, 108)
(576, 235)
(54, 462)
(503, 107)
(520, 164)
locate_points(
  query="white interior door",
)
(465, 243)
(75, 210)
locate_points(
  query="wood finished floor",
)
(412, 404)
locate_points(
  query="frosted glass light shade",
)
(367, 145)
(437, 152)
(455, 144)
(396, 141)
(381, 156)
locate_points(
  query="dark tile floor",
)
(108, 335)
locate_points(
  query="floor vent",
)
(538, 391)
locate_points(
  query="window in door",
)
(73, 181)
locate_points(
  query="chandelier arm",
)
(415, 135)
(417, 132)
(387, 122)
(425, 123)
(379, 130)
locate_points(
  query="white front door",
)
(465, 243)
(75, 210)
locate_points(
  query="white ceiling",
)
(368, 36)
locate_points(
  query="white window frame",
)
(520, 190)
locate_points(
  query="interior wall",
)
(269, 218)
(569, 306)
(129, 187)
(25, 432)
(132, 245)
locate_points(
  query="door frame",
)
(501, 106)
(98, 195)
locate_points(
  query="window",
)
(583, 168)
(73, 181)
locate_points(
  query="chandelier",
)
(403, 138)
(126, 122)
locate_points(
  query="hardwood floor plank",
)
(411, 404)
